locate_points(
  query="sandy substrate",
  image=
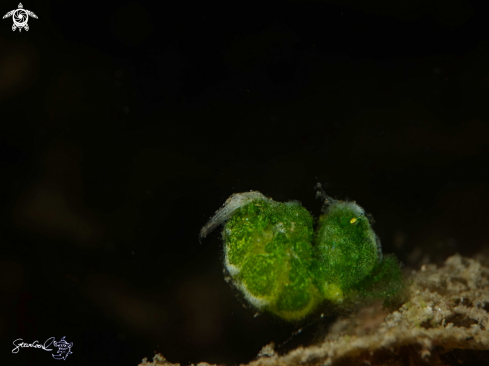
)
(444, 323)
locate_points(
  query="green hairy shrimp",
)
(282, 266)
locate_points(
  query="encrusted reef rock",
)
(444, 323)
(159, 360)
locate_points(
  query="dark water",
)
(124, 126)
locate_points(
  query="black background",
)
(124, 126)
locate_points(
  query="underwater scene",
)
(287, 183)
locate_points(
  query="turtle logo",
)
(20, 17)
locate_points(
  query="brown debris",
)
(444, 322)
(159, 360)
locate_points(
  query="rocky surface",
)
(444, 323)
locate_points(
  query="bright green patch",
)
(282, 266)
